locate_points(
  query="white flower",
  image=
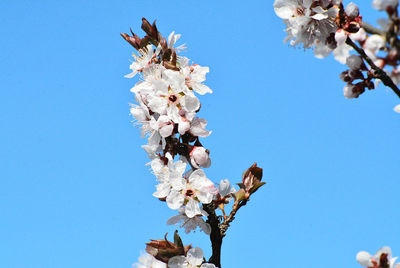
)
(198, 128)
(143, 61)
(148, 261)
(342, 50)
(172, 97)
(193, 259)
(164, 125)
(195, 75)
(369, 261)
(306, 24)
(142, 116)
(372, 45)
(397, 109)
(199, 156)
(225, 188)
(166, 174)
(383, 4)
(190, 224)
(197, 189)
(172, 38)
(153, 146)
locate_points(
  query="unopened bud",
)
(352, 10)
(345, 77)
(354, 62)
(348, 91)
(199, 156)
(353, 27)
(163, 250)
(251, 179)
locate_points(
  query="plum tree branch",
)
(378, 72)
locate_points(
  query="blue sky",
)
(74, 188)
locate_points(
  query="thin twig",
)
(225, 225)
(379, 73)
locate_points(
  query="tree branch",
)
(371, 29)
(215, 236)
(378, 72)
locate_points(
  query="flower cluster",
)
(382, 259)
(166, 110)
(327, 26)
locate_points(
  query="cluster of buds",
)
(355, 73)
(162, 253)
(382, 259)
(349, 19)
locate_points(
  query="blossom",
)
(382, 258)
(342, 50)
(397, 109)
(384, 4)
(172, 38)
(166, 174)
(306, 22)
(143, 61)
(198, 188)
(198, 128)
(372, 45)
(193, 259)
(164, 125)
(148, 261)
(190, 224)
(195, 75)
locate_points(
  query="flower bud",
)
(352, 10)
(251, 179)
(354, 62)
(199, 156)
(348, 91)
(163, 250)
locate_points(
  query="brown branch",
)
(378, 72)
(215, 236)
(371, 29)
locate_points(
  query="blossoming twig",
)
(379, 73)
